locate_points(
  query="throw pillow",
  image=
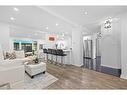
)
(13, 55)
(10, 55)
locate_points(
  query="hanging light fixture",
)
(107, 26)
(108, 23)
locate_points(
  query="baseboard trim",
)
(111, 71)
(123, 76)
(78, 65)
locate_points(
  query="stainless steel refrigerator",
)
(89, 60)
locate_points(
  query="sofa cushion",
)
(20, 54)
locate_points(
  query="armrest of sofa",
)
(10, 63)
(11, 74)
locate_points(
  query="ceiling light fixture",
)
(57, 24)
(85, 13)
(12, 18)
(108, 23)
(16, 9)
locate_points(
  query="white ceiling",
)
(22, 32)
(91, 20)
(39, 17)
(94, 13)
(34, 18)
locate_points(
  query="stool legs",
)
(47, 57)
(62, 61)
(51, 58)
(56, 59)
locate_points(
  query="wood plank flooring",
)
(72, 77)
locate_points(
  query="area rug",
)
(40, 81)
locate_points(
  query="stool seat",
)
(45, 51)
(63, 54)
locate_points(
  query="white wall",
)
(49, 44)
(66, 41)
(4, 37)
(77, 47)
(110, 47)
(40, 42)
(124, 46)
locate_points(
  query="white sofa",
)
(20, 56)
(11, 73)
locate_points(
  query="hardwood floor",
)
(72, 77)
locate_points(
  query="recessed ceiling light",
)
(47, 28)
(16, 9)
(57, 24)
(12, 18)
(85, 13)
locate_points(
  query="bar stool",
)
(45, 51)
(61, 54)
(54, 53)
(50, 55)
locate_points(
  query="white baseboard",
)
(78, 65)
(123, 77)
